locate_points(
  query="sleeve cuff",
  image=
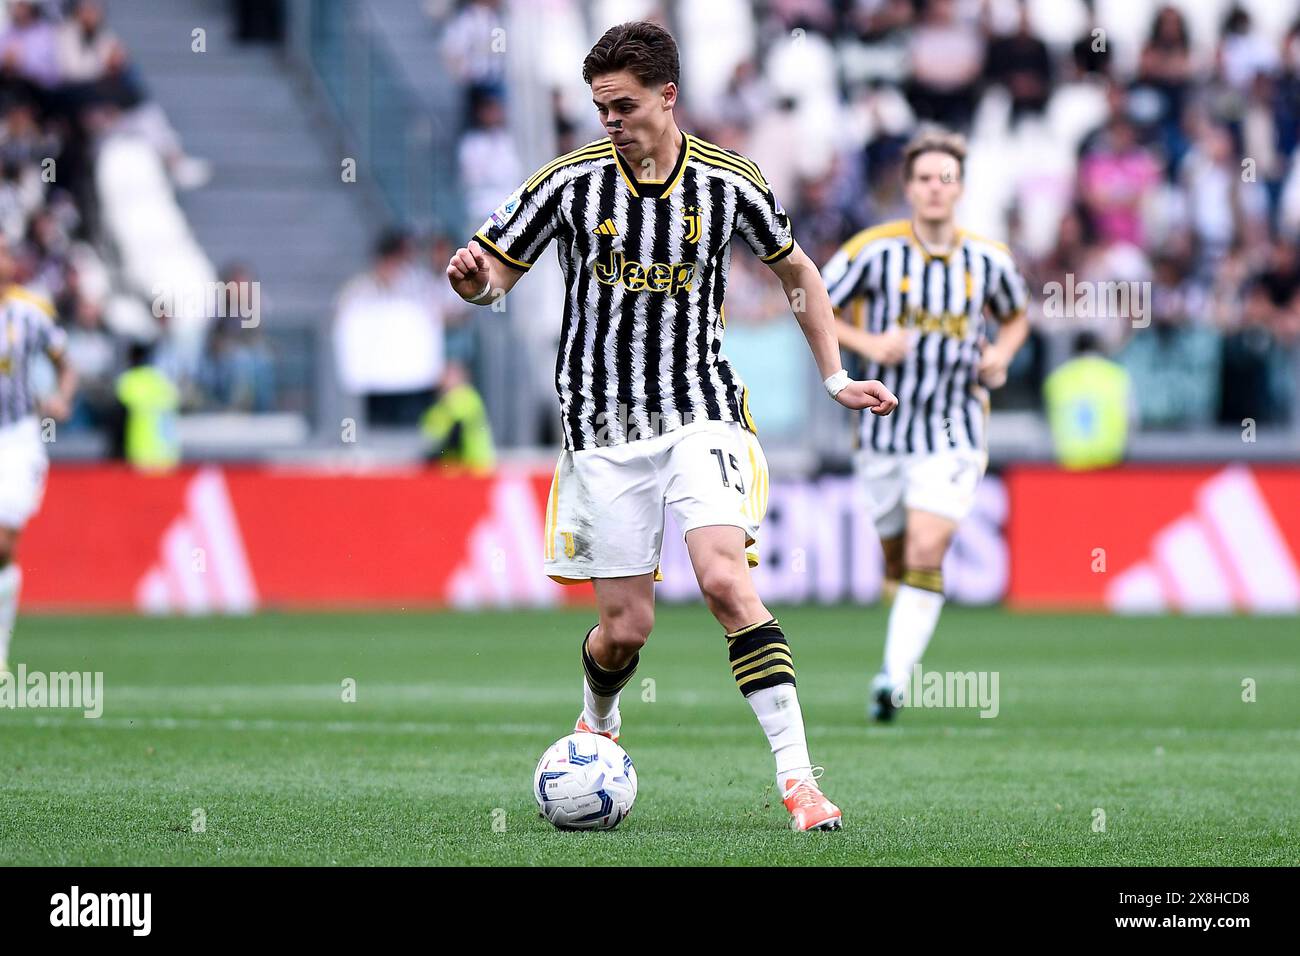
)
(516, 264)
(780, 253)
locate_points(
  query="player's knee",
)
(625, 630)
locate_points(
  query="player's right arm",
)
(511, 238)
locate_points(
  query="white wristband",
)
(837, 383)
(487, 287)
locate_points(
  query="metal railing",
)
(402, 144)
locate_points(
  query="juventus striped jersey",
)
(883, 278)
(26, 328)
(645, 270)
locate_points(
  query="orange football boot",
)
(808, 806)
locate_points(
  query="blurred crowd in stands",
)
(1160, 160)
(67, 83)
(1163, 154)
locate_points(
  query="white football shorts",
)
(942, 483)
(605, 514)
(23, 467)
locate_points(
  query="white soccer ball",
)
(585, 782)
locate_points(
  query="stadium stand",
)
(1159, 149)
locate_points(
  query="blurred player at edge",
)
(911, 297)
(28, 328)
(653, 414)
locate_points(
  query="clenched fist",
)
(468, 270)
(871, 394)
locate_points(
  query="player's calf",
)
(893, 548)
(601, 687)
(8, 542)
(10, 584)
(620, 635)
(731, 598)
(611, 649)
(928, 538)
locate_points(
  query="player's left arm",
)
(765, 226)
(50, 338)
(996, 358)
(59, 404)
(1008, 303)
(53, 340)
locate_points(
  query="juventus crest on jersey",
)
(882, 279)
(645, 270)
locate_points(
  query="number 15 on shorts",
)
(735, 466)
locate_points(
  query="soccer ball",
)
(585, 782)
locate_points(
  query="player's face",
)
(635, 116)
(935, 187)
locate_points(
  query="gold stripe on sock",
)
(775, 669)
(927, 579)
(753, 627)
(773, 645)
(777, 655)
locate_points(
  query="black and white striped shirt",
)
(645, 269)
(883, 278)
(26, 328)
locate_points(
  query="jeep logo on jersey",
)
(671, 277)
(954, 324)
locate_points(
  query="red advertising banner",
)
(1142, 539)
(234, 539)
(230, 540)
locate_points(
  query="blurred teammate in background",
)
(911, 297)
(26, 328)
(653, 414)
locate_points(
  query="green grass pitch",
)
(243, 719)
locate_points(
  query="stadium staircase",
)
(276, 199)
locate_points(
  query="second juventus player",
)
(912, 297)
(653, 414)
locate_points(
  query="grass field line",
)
(442, 728)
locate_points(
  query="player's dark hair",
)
(644, 49)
